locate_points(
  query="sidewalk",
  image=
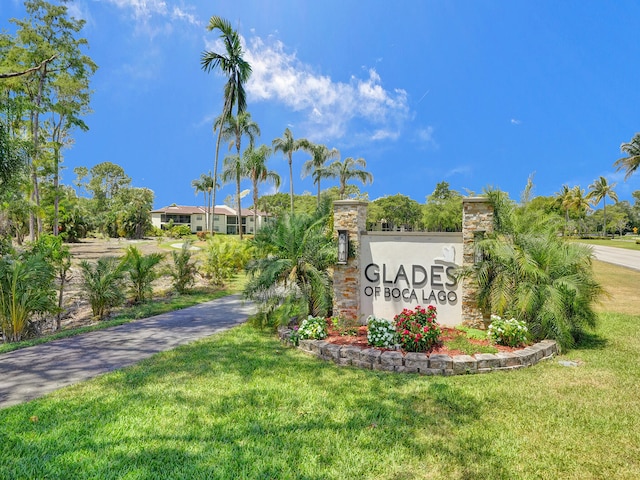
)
(32, 372)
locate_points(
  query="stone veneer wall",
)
(477, 220)
(350, 215)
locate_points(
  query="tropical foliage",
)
(529, 273)
(184, 269)
(141, 272)
(102, 283)
(232, 64)
(631, 162)
(349, 169)
(224, 257)
(26, 288)
(289, 274)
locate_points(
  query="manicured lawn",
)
(624, 242)
(239, 405)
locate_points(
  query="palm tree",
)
(291, 267)
(141, 270)
(287, 145)
(234, 129)
(315, 166)
(204, 184)
(529, 273)
(236, 69)
(632, 161)
(102, 284)
(581, 203)
(26, 287)
(257, 171)
(233, 170)
(600, 190)
(347, 170)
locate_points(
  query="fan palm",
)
(599, 190)
(236, 69)
(255, 163)
(287, 145)
(347, 170)
(632, 161)
(315, 166)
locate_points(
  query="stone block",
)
(316, 346)
(508, 359)
(391, 358)
(464, 364)
(487, 360)
(331, 350)
(343, 362)
(527, 356)
(416, 360)
(550, 347)
(362, 364)
(350, 352)
(431, 371)
(306, 345)
(440, 361)
(386, 368)
(370, 355)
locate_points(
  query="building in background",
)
(225, 219)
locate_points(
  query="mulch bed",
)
(360, 340)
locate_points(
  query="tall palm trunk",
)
(291, 180)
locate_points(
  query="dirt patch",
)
(76, 310)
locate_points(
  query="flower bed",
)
(354, 351)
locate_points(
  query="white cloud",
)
(515, 121)
(154, 17)
(330, 108)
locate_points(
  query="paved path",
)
(618, 256)
(35, 371)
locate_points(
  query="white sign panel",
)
(403, 271)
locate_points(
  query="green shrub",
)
(102, 282)
(26, 287)
(180, 231)
(184, 270)
(141, 270)
(381, 332)
(224, 257)
(417, 329)
(511, 333)
(314, 328)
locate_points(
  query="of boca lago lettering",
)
(419, 284)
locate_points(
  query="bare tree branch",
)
(18, 74)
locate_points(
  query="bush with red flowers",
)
(417, 329)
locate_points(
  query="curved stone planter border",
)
(434, 364)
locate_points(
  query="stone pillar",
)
(350, 215)
(477, 220)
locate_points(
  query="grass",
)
(628, 243)
(240, 405)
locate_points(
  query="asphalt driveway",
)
(32, 372)
(618, 256)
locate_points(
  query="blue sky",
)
(477, 92)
